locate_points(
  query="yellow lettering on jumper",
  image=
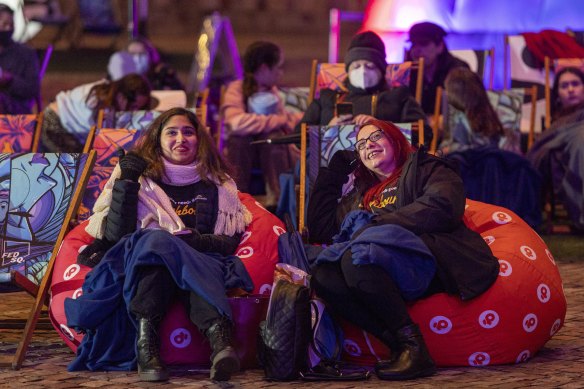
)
(383, 203)
(185, 210)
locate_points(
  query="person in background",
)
(397, 236)
(177, 214)
(140, 56)
(253, 110)
(68, 119)
(558, 154)
(19, 69)
(368, 92)
(427, 41)
(474, 122)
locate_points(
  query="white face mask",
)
(364, 78)
(142, 63)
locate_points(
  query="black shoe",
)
(150, 367)
(413, 361)
(224, 359)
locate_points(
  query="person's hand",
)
(344, 162)
(362, 119)
(341, 119)
(132, 165)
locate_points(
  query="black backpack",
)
(286, 333)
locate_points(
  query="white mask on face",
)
(364, 78)
(142, 63)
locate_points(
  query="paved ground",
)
(560, 364)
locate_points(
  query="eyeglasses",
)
(373, 137)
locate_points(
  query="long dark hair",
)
(365, 181)
(211, 164)
(557, 110)
(257, 54)
(466, 93)
(130, 86)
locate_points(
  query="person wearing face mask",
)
(19, 69)
(368, 91)
(68, 119)
(141, 57)
(559, 152)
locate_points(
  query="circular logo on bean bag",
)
(67, 332)
(530, 322)
(278, 230)
(555, 327)
(352, 348)
(489, 239)
(550, 256)
(543, 293)
(245, 252)
(245, 237)
(479, 359)
(78, 292)
(523, 356)
(71, 271)
(440, 325)
(180, 338)
(528, 252)
(505, 268)
(489, 319)
(501, 217)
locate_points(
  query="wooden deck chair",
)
(481, 62)
(551, 67)
(20, 133)
(136, 120)
(104, 142)
(525, 71)
(324, 142)
(333, 76)
(34, 224)
(98, 18)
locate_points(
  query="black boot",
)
(413, 361)
(224, 358)
(150, 368)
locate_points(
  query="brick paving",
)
(560, 364)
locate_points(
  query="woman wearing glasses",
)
(404, 240)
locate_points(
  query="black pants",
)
(365, 295)
(157, 290)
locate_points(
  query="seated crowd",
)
(399, 188)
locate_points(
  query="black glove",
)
(193, 239)
(131, 164)
(93, 253)
(344, 162)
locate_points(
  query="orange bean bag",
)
(181, 342)
(508, 323)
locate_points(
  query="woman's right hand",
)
(341, 119)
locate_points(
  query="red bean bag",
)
(181, 342)
(508, 323)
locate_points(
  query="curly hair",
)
(211, 165)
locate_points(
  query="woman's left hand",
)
(362, 119)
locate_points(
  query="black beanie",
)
(369, 46)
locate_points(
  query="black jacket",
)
(121, 219)
(392, 104)
(430, 203)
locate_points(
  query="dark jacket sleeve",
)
(311, 116)
(437, 207)
(322, 220)
(222, 244)
(411, 112)
(123, 214)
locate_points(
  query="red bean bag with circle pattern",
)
(181, 342)
(508, 323)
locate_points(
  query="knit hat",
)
(368, 46)
(426, 32)
(6, 8)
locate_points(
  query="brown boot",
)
(224, 358)
(413, 360)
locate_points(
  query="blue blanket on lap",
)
(401, 253)
(101, 312)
